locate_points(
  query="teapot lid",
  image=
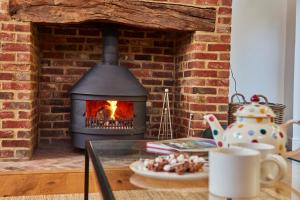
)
(255, 110)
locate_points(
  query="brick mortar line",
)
(14, 41)
(204, 69)
(212, 52)
(17, 100)
(14, 148)
(201, 78)
(199, 42)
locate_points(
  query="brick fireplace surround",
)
(40, 63)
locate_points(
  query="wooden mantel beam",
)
(150, 14)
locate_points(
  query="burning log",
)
(103, 114)
(108, 124)
(109, 115)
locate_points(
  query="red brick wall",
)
(195, 66)
(68, 52)
(202, 72)
(18, 83)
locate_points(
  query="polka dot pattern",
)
(263, 131)
(251, 132)
(281, 134)
(220, 143)
(240, 125)
(262, 111)
(258, 110)
(215, 132)
(259, 120)
(211, 118)
(238, 135)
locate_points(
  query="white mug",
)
(235, 172)
(275, 166)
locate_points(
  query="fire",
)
(109, 110)
(113, 108)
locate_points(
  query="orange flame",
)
(113, 108)
(120, 110)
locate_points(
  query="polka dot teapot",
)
(254, 123)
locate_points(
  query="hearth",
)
(108, 102)
(47, 47)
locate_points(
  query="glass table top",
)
(115, 156)
(116, 153)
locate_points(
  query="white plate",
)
(138, 168)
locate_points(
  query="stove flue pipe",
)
(110, 45)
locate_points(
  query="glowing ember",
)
(109, 110)
(113, 108)
(109, 114)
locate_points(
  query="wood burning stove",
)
(108, 102)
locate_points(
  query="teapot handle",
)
(264, 97)
(238, 95)
(287, 123)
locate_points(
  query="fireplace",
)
(46, 48)
(108, 102)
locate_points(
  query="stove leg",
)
(86, 176)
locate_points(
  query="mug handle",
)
(282, 168)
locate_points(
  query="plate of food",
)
(172, 167)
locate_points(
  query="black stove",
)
(108, 102)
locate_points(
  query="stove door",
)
(110, 118)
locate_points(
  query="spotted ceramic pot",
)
(254, 123)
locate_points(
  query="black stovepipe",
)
(110, 45)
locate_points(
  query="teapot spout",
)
(216, 128)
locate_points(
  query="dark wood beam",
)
(131, 12)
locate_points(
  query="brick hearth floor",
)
(58, 156)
